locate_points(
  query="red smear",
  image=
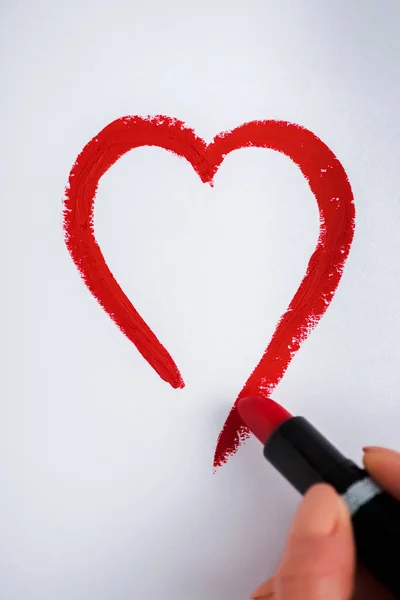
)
(328, 182)
(262, 415)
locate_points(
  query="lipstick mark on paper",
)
(328, 182)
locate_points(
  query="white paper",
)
(106, 483)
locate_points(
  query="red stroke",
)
(328, 182)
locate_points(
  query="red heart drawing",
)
(328, 182)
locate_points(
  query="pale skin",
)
(319, 561)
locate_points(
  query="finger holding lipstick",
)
(318, 560)
(346, 531)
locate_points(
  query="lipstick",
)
(305, 457)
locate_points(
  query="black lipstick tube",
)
(304, 457)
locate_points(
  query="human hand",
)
(319, 560)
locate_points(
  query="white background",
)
(106, 484)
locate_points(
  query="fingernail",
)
(265, 590)
(344, 513)
(377, 450)
(376, 453)
(318, 514)
(368, 449)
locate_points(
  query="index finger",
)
(384, 467)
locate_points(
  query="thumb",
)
(318, 561)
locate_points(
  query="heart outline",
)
(328, 182)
